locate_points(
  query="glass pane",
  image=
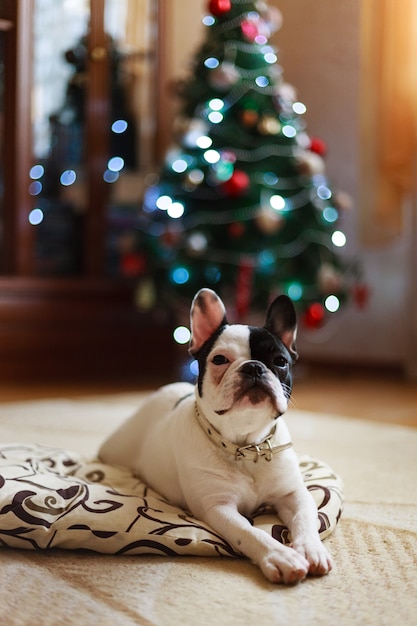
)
(57, 187)
(132, 26)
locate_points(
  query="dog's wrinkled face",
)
(244, 371)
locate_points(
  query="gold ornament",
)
(329, 279)
(268, 220)
(269, 125)
(145, 295)
(310, 164)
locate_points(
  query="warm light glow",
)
(196, 177)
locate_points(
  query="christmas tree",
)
(242, 203)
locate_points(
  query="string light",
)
(262, 81)
(208, 20)
(215, 117)
(35, 188)
(204, 142)
(339, 239)
(295, 291)
(119, 126)
(180, 275)
(116, 164)
(35, 217)
(110, 177)
(176, 210)
(289, 131)
(299, 108)
(330, 214)
(324, 193)
(216, 104)
(179, 166)
(37, 171)
(164, 202)
(277, 203)
(212, 156)
(182, 335)
(332, 304)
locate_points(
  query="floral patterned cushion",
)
(52, 498)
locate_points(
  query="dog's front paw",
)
(319, 559)
(284, 565)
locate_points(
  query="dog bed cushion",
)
(52, 498)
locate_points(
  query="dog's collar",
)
(252, 452)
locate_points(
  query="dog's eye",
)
(280, 361)
(220, 359)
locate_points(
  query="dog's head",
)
(245, 378)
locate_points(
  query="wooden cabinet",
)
(77, 317)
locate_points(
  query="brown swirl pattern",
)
(52, 498)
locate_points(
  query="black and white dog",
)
(222, 449)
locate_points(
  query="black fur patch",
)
(267, 348)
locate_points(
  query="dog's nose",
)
(254, 369)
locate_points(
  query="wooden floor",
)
(378, 395)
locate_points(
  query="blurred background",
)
(89, 105)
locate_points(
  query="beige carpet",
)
(374, 580)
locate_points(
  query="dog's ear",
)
(281, 321)
(208, 313)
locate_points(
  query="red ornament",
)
(250, 30)
(318, 146)
(133, 264)
(219, 7)
(314, 315)
(237, 184)
(236, 230)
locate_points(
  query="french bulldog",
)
(221, 449)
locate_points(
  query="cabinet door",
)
(78, 133)
(93, 130)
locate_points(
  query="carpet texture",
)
(374, 546)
